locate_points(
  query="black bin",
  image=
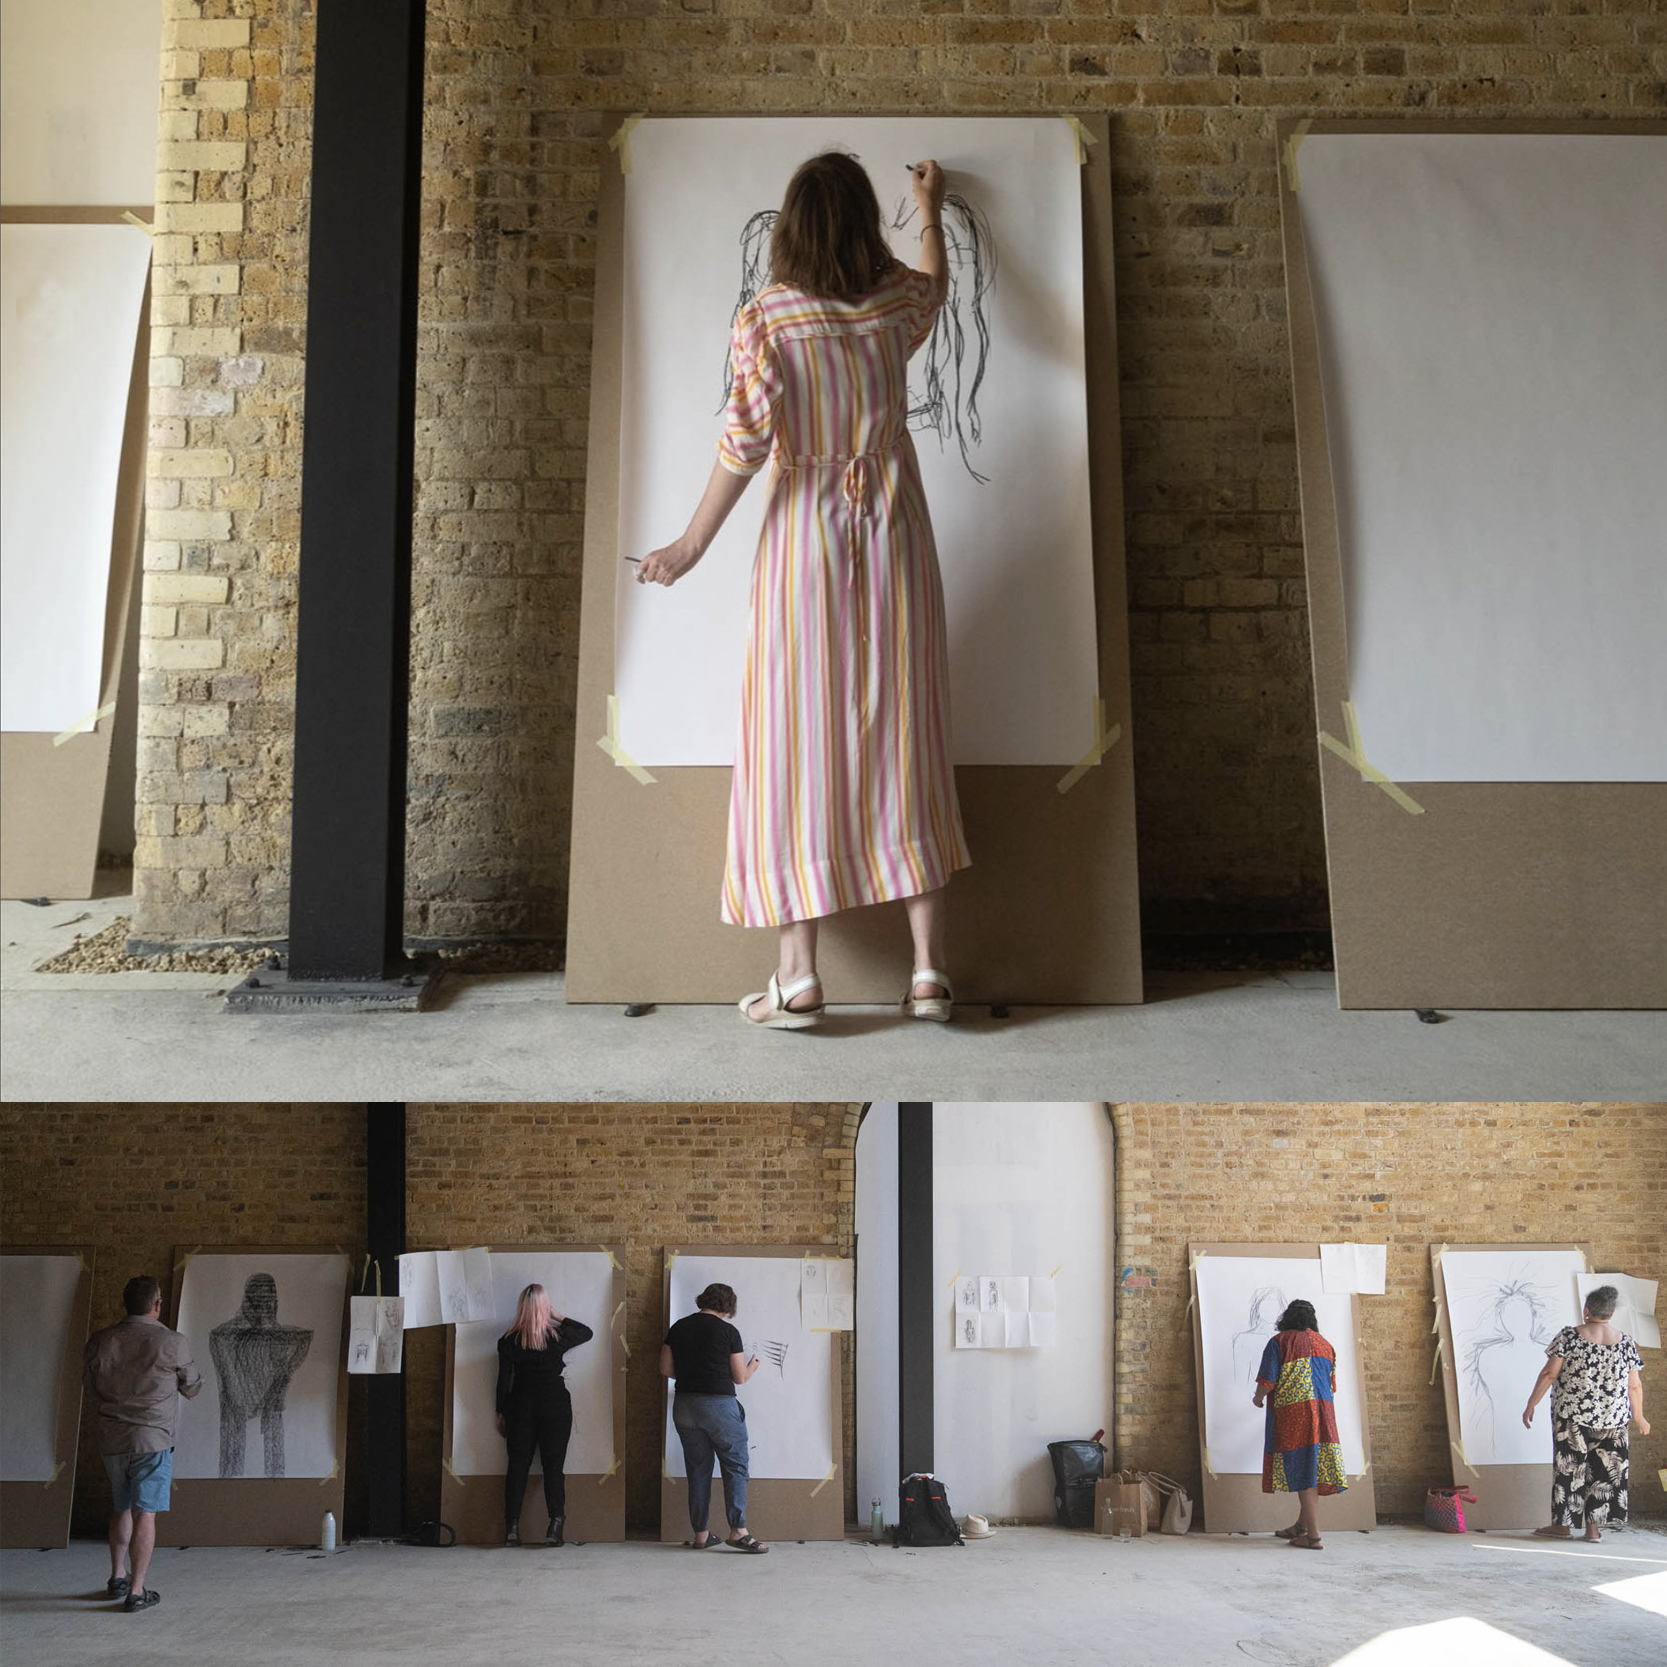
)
(1077, 1466)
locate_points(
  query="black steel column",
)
(347, 856)
(385, 1239)
(918, 1320)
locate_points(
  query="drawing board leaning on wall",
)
(45, 1308)
(260, 1451)
(1013, 414)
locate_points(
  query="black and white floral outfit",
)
(1590, 1411)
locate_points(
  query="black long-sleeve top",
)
(529, 1375)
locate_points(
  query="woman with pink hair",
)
(535, 1411)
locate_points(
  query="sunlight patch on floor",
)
(1460, 1641)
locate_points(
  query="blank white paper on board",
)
(1490, 318)
(1016, 554)
(37, 1303)
(69, 322)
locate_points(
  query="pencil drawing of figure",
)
(255, 1358)
(992, 1295)
(1513, 1324)
(969, 1331)
(969, 1293)
(1267, 1303)
(945, 377)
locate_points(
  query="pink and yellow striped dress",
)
(843, 792)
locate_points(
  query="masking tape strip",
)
(379, 1279)
(613, 1319)
(1662, 1473)
(1440, 1251)
(1081, 135)
(611, 1471)
(1434, 1364)
(609, 743)
(1585, 1263)
(57, 1471)
(1055, 1273)
(621, 141)
(1458, 1447)
(665, 1475)
(364, 1278)
(957, 1276)
(329, 1475)
(1104, 740)
(1207, 1465)
(671, 1256)
(82, 725)
(626, 1347)
(185, 1260)
(1292, 145)
(131, 219)
(613, 1261)
(1371, 772)
(452, 1473)
(832, 1470)
(80, 1262)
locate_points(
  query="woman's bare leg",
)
(1308, 1515)
(797, 952)
(928, 924)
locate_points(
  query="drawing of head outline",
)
(260, 1301)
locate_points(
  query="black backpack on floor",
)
(923, 1515)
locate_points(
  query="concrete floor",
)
(1040, 1596)
(157, 1036)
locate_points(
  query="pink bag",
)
(1444, 1509)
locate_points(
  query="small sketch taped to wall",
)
(375, 1335)
(1011, 1311)
(828, 1294)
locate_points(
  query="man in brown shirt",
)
(137, 1371)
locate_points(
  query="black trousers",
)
(543, 1426)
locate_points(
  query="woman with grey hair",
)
(1592, 1371)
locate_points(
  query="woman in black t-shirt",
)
(703, 1352)
(535, 1412)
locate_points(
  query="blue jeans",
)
(139, 1481)
(708, 1426)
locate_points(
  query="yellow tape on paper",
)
(832, 1470)
(1292, 146)
(1104, 740)
(1207, 1465)
(186, 1258)
(626, 1347)
(613, 1261)
(82, 725)
(1351, 754)
(621, 141)
(57, 1471)
(452, 1473)
(957, 1276)
(1458, 1447)
(1055, 1273)
(1437, 1361)
(132, 219)
(609, 743)
(330, 1475)
(614, 1318)
(1081, 135)
(612, 1470)
(671, 1256)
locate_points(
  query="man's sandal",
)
(935, 1008)
(748, 1544)
(779, 1016)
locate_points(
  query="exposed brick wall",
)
(1411, 1175)
(140, 1182)
(1221, 694)
(647, 1175)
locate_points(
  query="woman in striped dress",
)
(843, 792)
(1301, 1452)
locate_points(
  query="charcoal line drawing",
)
(969, 1293)
(992, 1295)
(1267, 1303)
(969, 1331)
(255, 1358)
(946, 376)
(774, 1354)
(1513, 1323)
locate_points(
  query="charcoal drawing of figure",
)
(1267, 1303)
(947, 374)
(1507, 1339)
(255, 1358)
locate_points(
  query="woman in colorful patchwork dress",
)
(843, 792)
(1301, 1452)
(1592, 1372)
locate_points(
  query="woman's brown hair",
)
(827, 240)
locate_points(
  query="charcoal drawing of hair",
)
(255, 1359)
(1267, 1303)
(1512, 1310)
(948, 373)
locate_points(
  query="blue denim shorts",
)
(139, 1481)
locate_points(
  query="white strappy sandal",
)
(936, 1008)
(780, 1016)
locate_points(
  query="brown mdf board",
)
(777, 1508)
(1236, 1504)
(1507, 1495)
(257, 1510)
(1049, 910)
(52, 791)
(473, 1504)
(1526, 894)
(38, 1513)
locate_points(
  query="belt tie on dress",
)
(856, 484)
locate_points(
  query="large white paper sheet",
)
(69, 322)
(1239, 1300)
(579, 1283)
(264, 1331)
(1504, 1307)
(1490, 319)
(466, 1292)
(419, 1284)
(1016, 554)
(37, 1303)
(788, 1403)
(1362, 1268)
(1635, 1312)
